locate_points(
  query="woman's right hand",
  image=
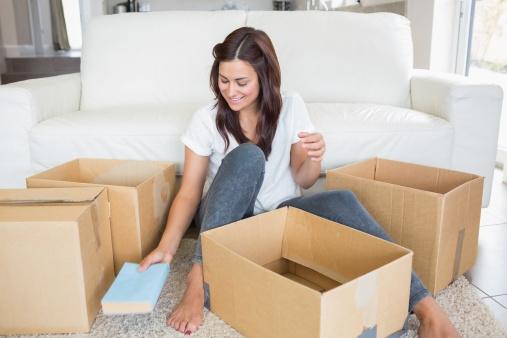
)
(156, 256)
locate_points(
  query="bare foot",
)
(188, 314)
(434, 321)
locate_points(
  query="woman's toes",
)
(182, 326)
(192, 327)
(173, 321)
(169, 321)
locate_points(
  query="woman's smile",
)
(235, 100)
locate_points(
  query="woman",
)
(258, 147)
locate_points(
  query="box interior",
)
(409, 175)
(336, 251)
(302, 274)
(305, 248)
(127, 173)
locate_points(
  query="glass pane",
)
(489, 51)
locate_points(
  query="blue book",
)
(133, 291)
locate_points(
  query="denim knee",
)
(246, 156)
(339, 197)
(348, 196)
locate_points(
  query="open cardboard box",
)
(56, 259)
(288, 273)
(140, 193)
(434, 212)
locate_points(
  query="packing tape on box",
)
(369, 333)
(457, 255)
(95, 222)
(93, 210)
(366, 299)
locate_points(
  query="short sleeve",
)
(199, 136)
(301, 117)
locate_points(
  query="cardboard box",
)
(288, 273)
(434, 212)
(56, 259)
(140, 193)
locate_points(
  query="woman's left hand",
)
(314, 145)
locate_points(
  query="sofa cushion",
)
(134, 132)
(151, 58)
(355, 132)
(352, 132)
(341, 57)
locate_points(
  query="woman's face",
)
(239, 84)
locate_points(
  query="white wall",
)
(420, 14)
(91, 8)
(434, 32)
(157, 5)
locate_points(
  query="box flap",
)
(364, 169)
(437, 180)
(407, 174)
(337, 251)
(129, 173)
(449, 180)
(42, 196)
(110, 172)
(243, 237)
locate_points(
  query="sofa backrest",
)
(341, 56)
(164, 57)
(157, 57)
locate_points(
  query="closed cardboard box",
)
(434, 212)
(56, 259)
(288, 273)
(140, 193)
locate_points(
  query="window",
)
(72, 22)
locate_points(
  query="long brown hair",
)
(255, 47)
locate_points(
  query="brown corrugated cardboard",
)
(288, 273)
(140, 193)
(56, 259)
(435, 212)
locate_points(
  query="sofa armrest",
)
(473, 109)
(22, 105)
(46, 97)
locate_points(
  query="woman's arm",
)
(306, 157)
(182, 210)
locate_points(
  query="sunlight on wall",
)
(73, 22)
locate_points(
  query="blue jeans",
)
(232, 195)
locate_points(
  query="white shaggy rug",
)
(470, 316)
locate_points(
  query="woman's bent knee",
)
(246, 156)
(343, 196)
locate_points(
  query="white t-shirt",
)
(203, 138)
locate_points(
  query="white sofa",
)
(144, 74)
